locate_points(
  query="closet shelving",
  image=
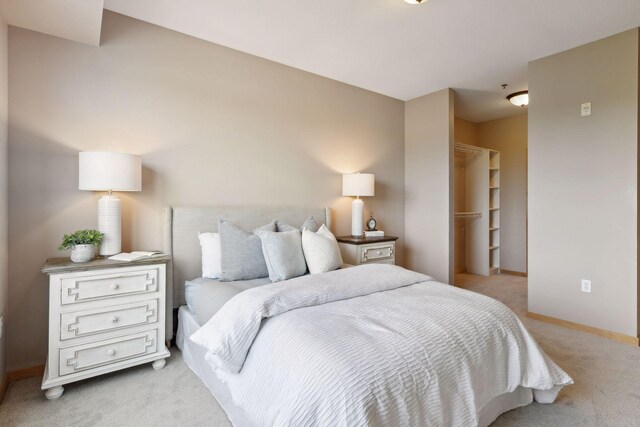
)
(479, 207)
(494, 212)
(467, 149)
(468, 216)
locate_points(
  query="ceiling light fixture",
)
(415, 1)
(519, 98)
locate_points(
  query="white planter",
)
(82, 253)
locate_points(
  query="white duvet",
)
(370, 345)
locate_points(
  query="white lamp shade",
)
(105, 171)
(358, 184)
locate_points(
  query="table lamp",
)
(106, 171)
(358, 185)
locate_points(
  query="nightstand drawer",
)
(87, 356)
(376, 252)
(88, 322)
(88, 288)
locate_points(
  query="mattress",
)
(206, 296)
(194, 357)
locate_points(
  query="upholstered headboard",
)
(182, 224)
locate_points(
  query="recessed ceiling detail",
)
(76, 20)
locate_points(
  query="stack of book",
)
(375, 233)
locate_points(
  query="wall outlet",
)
(586, 285)
(586, 109)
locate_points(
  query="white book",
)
(134, 256)
(377, 233)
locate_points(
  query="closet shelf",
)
(468, 216)
(494, 228)
(494, 247)
(494, 188)
(467, 149)
(493, 209)
(494, 169)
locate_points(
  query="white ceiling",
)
(387, 46)
(77, 20)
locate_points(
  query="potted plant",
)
(82, 244)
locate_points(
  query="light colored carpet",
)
(606, 374)
(606, 393)
(138, 396)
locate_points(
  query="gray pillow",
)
(241, 252)
(309, 223)
(283, 254)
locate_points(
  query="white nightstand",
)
(103, 316)
(367, 250)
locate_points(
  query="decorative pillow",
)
(321, 250)
(309, 223)
(283, 254)
(241, 252)
(211, 263)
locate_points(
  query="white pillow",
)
(211, 255)
(321, 250)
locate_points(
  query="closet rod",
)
(468, 216)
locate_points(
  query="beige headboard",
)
(182, 224)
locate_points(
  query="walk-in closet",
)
(477, 210)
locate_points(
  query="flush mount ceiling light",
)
(519, 98)
(415, 1)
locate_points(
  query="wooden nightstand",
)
(368, 250)
(104, 316)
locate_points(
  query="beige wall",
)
(4, 198)
(213, 126)
(465, 131)
(583, 184)
(509, 136)
(429, 184)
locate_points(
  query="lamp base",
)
(357, 221)
(110, 223)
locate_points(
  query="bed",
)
(368, 345)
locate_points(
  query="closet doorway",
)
(490, 190)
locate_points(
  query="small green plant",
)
(81, 237)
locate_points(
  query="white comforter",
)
(370, 345)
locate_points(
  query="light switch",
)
(586, 109)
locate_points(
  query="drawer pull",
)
(114, 319)
(111, 352)
(114, 286)
(379, 252)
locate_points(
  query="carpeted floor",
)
(606, 390)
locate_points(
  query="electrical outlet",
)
(585, 109)
(586, 285)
